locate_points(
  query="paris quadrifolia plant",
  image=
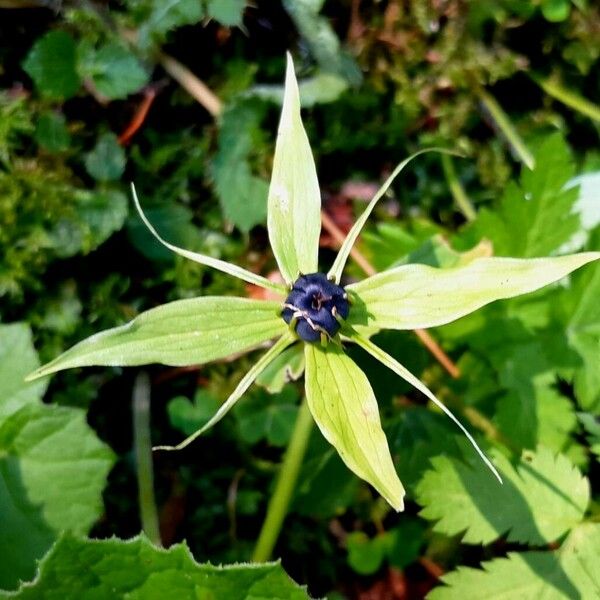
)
(315, 310)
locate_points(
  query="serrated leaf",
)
(137, 570)
(268, 417)
(419, 296)
(570, 572)
(344, 407)
(17, 358)
(51, 65)
(536, 216)
(541, 499)
(294, 213)
(114, 71)
(102, 212)
(184, 332)
(106, 162)
(52, 473)
(533, 412)
(288, 366)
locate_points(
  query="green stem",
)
(457, 190)
(506, 127)
(288, 475)
(554, 88)
(143, 457)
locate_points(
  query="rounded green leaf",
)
(344, 407)
(419, 296)
(184, 332)
(294, 211)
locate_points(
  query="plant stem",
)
(506, 127)
(457, 190)
(553, 87)
(143, 457)
(425, 337)
(288, 475)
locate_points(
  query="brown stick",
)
(359, 258)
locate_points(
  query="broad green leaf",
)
(288, 366)
(17, 358)
(268, 417)
(137, 570)
(248, 379)
(52, 473)
(570, 572)
(184, 332)
(203, 259)
(106, 162)
(294, 214)
(113, 70)
(51, 65)
(102, 212)
(542, 498)
(340, 260)
(344, 407)
(51, 132)
(403, 372)
(419, 296)
(535, 217)
(365, 555)
(227, 12)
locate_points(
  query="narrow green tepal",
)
(344, 407)
(184, 332)
(294, 207)
(418, 296)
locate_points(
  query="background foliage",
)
(90, 100)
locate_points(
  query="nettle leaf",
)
(536, 216)
(419, 296)
(294, 213)
(542, 498)
(570, 572)
(267, 417)
(106, 162)
(137, 570)
(52, 466)
(534, 411)
(51, 64)
(17, 358)
(243, 196)
(184, 332)
(52, 473)
(344, 407)
(288, 366)
(114, 71)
